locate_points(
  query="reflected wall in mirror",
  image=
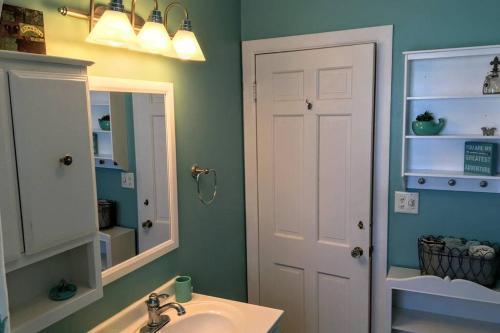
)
(134, 149)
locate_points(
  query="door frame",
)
(382, 37)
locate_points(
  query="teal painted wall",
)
(208, 131)
(423, 24)
(108, 181)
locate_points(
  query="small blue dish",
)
(62, 291)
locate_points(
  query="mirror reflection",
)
(130, 150)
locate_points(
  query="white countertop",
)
(249, 318)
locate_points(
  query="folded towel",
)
(472, 243)
(455, 243)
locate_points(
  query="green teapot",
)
(425, 124)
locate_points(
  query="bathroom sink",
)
(204, 314)
(206, 317)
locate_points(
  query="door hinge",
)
(370, 251)
(255, 91)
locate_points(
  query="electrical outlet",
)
(406, 202)
(127, 180)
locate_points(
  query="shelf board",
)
(410, 279)
(423, 98)
(453, 137)
(104, 157)
(425, 322)
(101, 131)
(447, 174)
(41, 306)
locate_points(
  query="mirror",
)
(134, 151)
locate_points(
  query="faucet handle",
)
(154, 300)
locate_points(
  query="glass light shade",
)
(154, 38)
(113, 29)
(186, 46)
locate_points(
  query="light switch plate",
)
(406, 202)
(127, 180)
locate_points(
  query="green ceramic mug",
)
(183, 289)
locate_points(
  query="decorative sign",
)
(22, 29)
(480, 158)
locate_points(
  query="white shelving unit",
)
(448, 83)
(29, 304)
(429, 304)
(112, 145)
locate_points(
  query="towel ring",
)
(197, 172)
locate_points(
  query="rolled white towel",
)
(482, 251)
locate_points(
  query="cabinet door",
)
(9, 196)
(51, 120)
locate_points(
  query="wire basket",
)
(437, 259)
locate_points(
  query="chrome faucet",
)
(155, 318)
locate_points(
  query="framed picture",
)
(22, 29)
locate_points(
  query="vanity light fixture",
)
(114, 28)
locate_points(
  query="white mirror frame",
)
(148, 87)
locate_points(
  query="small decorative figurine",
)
(425, 125)
(492, 82)
(488, 131)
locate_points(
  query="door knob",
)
(357, 252)
(66, 159)
(147, 225)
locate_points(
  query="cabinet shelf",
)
(428, 304)
(100, 131)
(26, 317)
(425, 322)
(423, 98)
(411, 280)
(453, 137)
(447, 174)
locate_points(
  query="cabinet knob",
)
(66, 159)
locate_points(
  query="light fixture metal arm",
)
(186, 23)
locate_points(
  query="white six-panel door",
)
(314, 133)
(150, 133)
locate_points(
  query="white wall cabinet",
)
(449, 84)
(48, 198)
(49, 113)
(112, 144)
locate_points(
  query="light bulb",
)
(113, 29)
(154, 38)
(186, 46)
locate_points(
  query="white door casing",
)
(314, 142)
(382, 36)
(151, 169)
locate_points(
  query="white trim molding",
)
(382, 37)
(147, 87)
